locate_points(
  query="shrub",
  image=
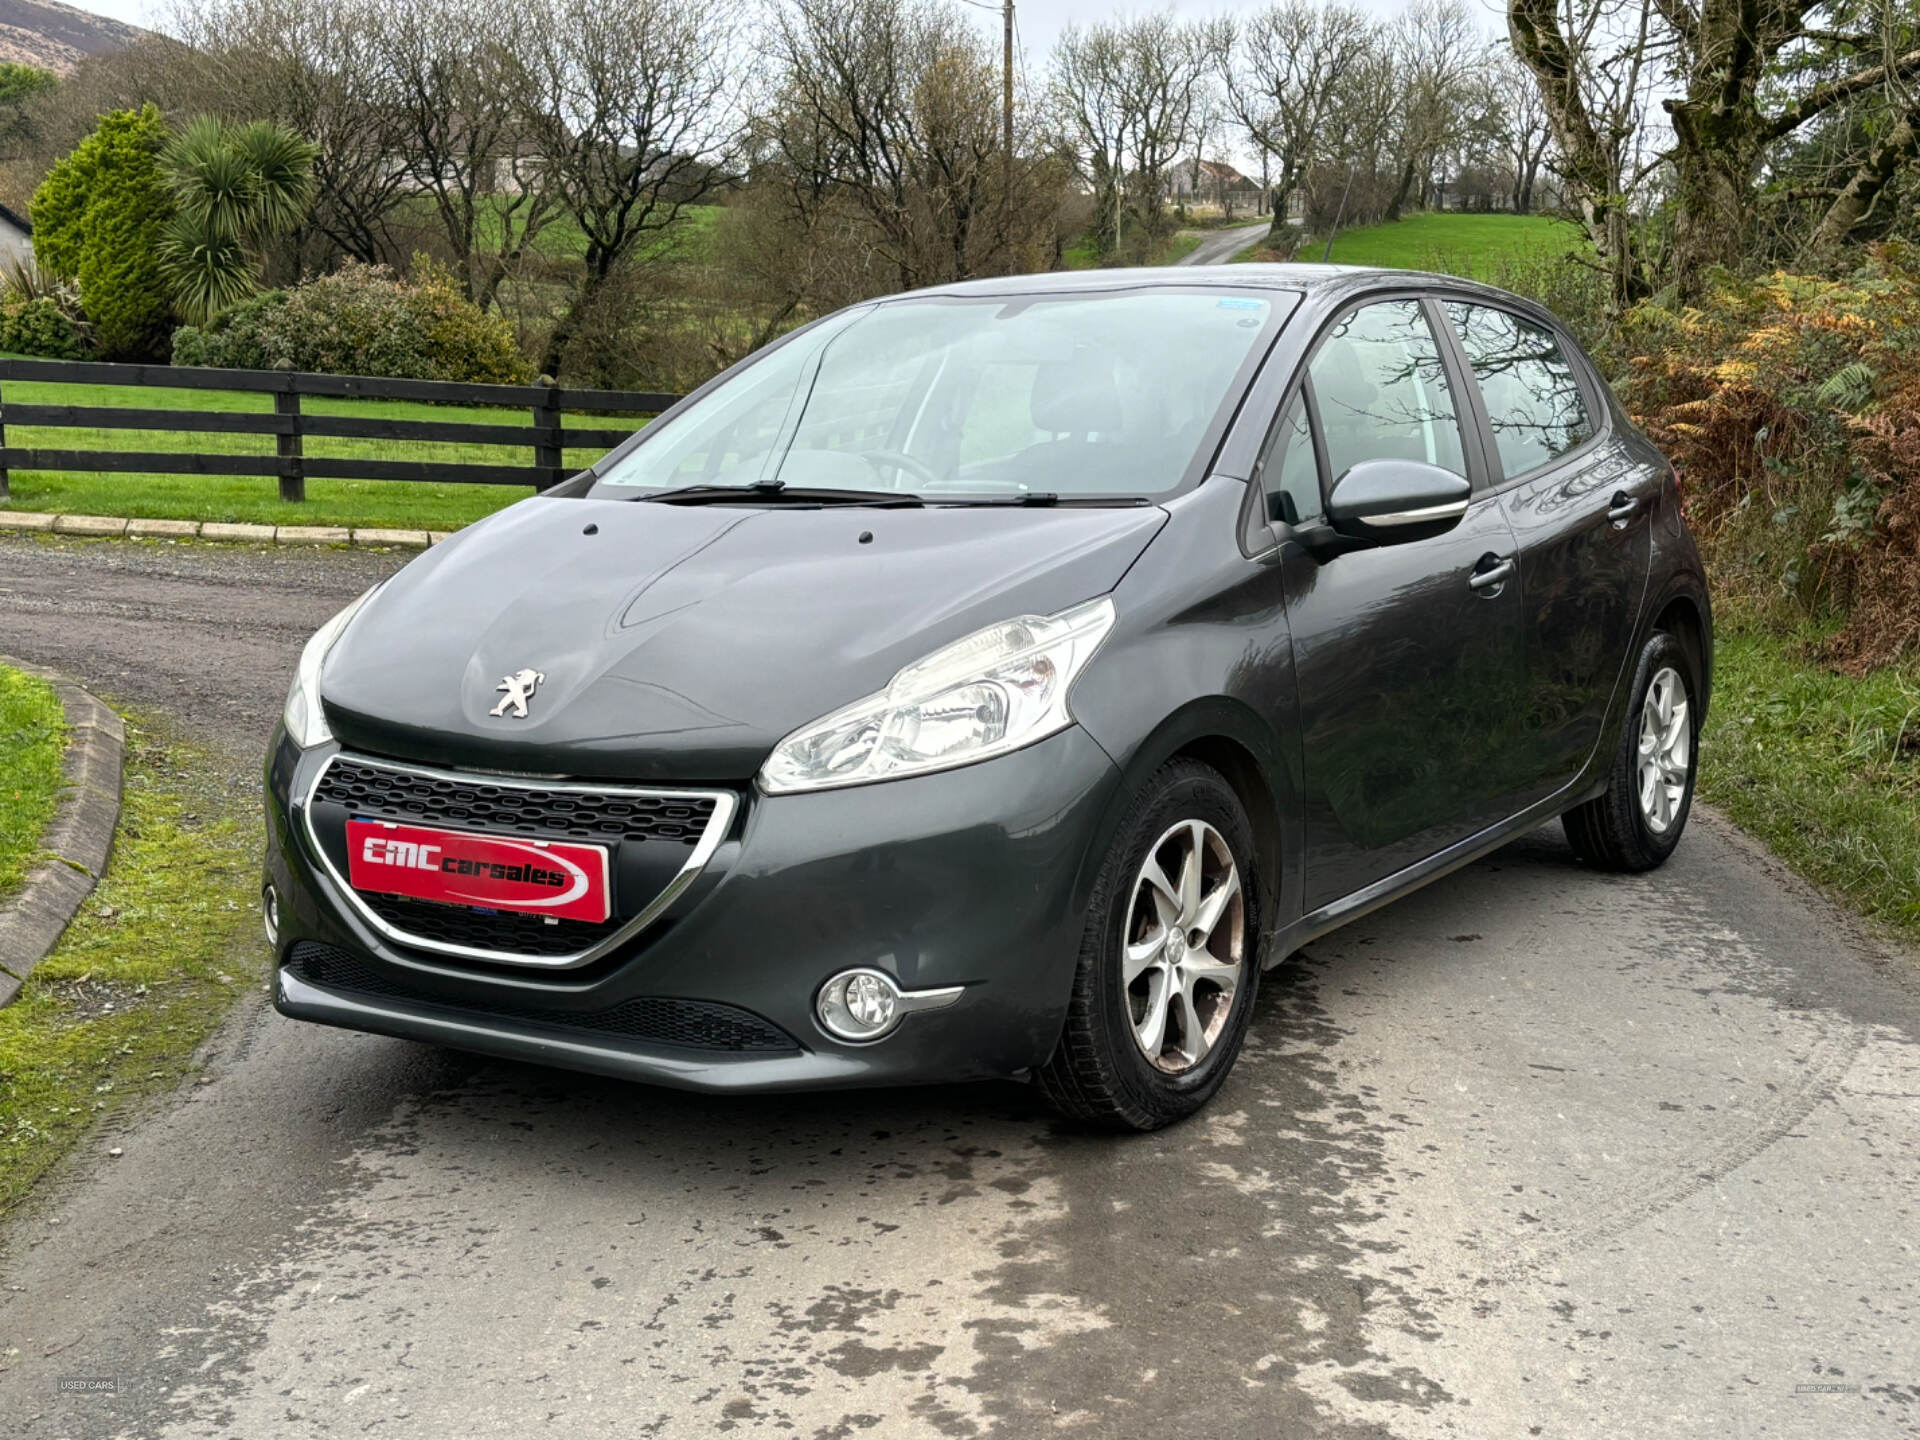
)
(1791, 408)
(39, 327)
(238, 338)
(97, 219)
(361, 320)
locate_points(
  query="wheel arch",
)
(1682, 617)
(1226, 735)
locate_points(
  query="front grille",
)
(686, 1024)
(650, 836)
(492, 930)
(378, 792)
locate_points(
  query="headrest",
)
(1076, 397)
(1340, 376)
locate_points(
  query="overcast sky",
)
(1038, 21)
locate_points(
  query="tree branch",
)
(1833, 92)
(1682, 16)
(1856, 201)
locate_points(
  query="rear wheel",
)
(1637, 822)
(1169, 961)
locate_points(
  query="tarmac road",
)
(1538, 1151)
(1220, 246)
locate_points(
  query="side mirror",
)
(1390, 501)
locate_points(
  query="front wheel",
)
(1637, 822)
(1169, 960)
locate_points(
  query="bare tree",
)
(1441, 53)
(1168, 69)
(630, 120)
(892, 106)
(1590, 60)
(1524, 132)
(1130, 96)
(461, 90)
(1751, 78)
(1285, 68)
(1089, 100)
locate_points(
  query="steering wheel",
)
(901, 461)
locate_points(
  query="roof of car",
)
(1288, 277)
(1236, 277)
(1302, 279)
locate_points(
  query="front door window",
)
(1382, 391)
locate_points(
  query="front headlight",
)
(993, 691)
(304, 721)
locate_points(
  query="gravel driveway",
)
(1538, 1151)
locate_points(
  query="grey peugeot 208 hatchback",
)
(989, 681)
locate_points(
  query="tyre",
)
(1637, 822)
(1169, 962)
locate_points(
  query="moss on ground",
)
(149, 967)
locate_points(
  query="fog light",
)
(860, 1005)
(869, 1001)
(270, 916)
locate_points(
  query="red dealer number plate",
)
(457, 867)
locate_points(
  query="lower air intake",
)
(688, 1024)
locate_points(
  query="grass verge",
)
(1822, 768)
(1085, 252)
(33, 737)
(147, 969)
(1178, 248)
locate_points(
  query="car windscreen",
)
(1108, 394)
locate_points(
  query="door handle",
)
(1624, 507)
(1492, 572)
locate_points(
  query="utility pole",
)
(1006, 119)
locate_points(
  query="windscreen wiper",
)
(1044, 498)
(775, 492)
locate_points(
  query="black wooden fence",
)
(555, 414)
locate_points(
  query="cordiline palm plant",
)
(234, 188)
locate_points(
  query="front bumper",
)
(977, 877)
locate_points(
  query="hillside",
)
(56, 37)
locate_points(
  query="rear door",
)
(1581, 512)
(1409, 658)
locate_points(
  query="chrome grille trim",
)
(725, 803)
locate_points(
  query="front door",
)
(1581, 511)
(1410, 658)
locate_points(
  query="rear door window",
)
(1532, 393)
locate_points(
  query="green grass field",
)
(32, 739)
(1471, 245)
(396, 503)
(1476, 246)
(690, 237)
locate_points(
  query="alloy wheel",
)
(1665, 750)
(1186, 939)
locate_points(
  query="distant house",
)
(1212, 181)
(16, 238)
